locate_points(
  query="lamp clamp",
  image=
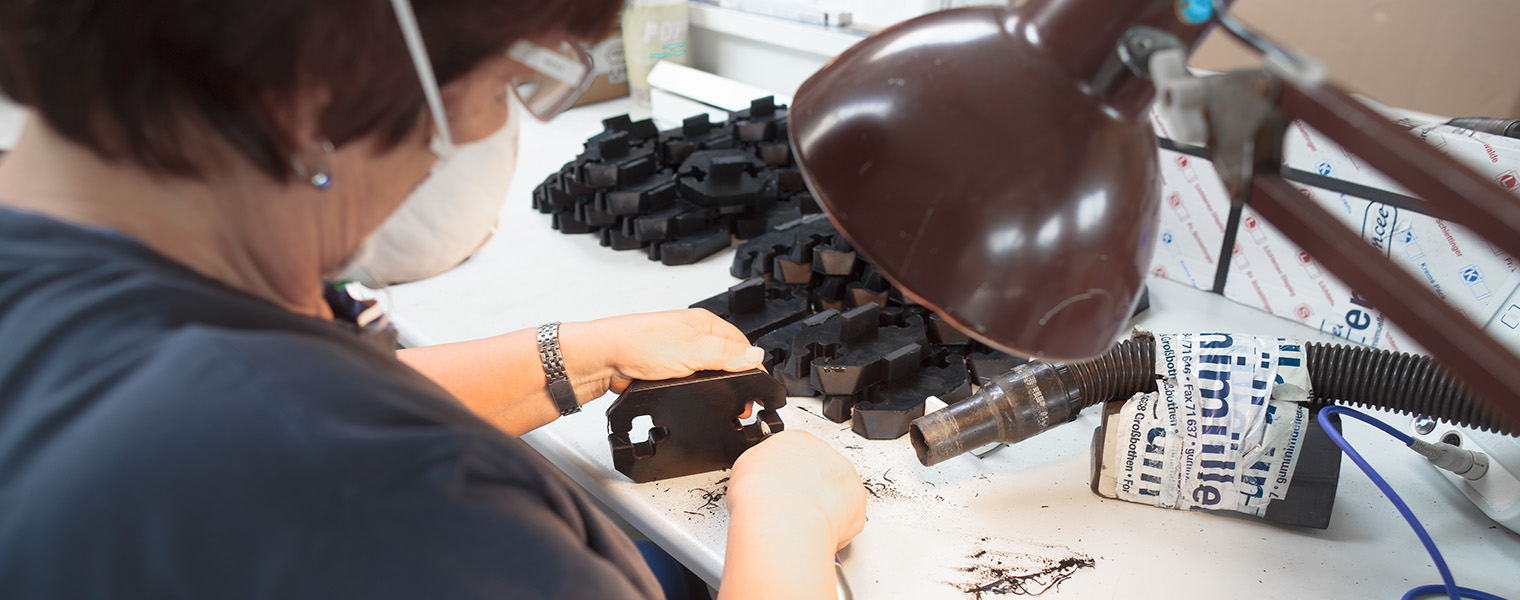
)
(1138, 44)
(1233, 114)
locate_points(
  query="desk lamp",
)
(999, 166)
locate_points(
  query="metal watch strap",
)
(554, 369)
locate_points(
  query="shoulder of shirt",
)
(367, 416)
(186, 344)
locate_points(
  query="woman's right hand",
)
(794, 478)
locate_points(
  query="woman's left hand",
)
(663, 345)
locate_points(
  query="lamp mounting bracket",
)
(1138, 44)
(1245, 128)
(1245, 133)
(1234, 114)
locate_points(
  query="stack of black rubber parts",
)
(681, 195)
(830, 324)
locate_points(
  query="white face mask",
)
(448, 217)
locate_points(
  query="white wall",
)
(766, 66)
(778, 55)
(881, 13)
(765, 52)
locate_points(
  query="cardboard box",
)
(1447, 58)
(611, 72)
(1269, 272)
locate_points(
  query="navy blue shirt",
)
(163, 435)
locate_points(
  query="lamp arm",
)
(1452, 187)
(1490, 370)
(1245, 121)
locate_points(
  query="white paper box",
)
(1269, 272)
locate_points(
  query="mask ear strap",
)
(413, 34)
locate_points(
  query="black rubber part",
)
(683, 194)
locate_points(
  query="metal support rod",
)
(1447, 185)
(1488, 368)
(1227, 248)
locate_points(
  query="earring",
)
(319, 176)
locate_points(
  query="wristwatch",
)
(554, 368)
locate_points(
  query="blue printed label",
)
(1221, 431)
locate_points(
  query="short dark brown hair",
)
(126, 78)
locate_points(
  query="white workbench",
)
(1029, 502)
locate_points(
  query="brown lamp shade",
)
(997, 165)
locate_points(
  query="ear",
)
(298, 115)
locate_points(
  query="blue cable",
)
(1449, 585)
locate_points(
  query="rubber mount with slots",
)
(697, 425)
(683, 194)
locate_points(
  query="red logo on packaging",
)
(1302, 312)
(1257, 233)
(1507, 180)
(1308, 264)
(1160, 272)
(1174, 200)
(1239, 256)
(1184, 165)
(1307, 194)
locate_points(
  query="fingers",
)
(728, 355)
(796, 470)
(726, 348)
(754, 356)
(673, 344)
(717, 326)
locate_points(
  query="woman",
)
(185, 408)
